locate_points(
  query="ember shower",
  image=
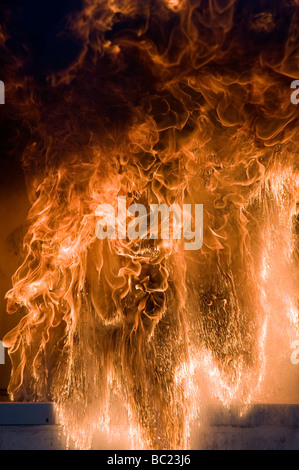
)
(163, 101)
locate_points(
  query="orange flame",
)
(171, 101)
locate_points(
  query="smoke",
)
(161, 101)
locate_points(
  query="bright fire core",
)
(167, 102)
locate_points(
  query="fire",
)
(167, 102)
(173, 4)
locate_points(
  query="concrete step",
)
(33, 426)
